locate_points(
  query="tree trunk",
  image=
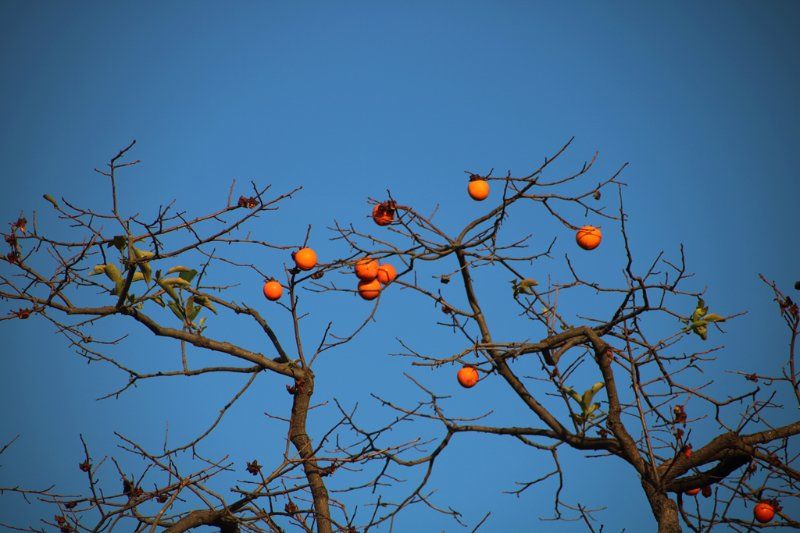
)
(304, 388)
(664, 510)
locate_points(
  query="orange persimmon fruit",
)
(589, 237)
(467, 377)
(693, 492)
(383, 213)
(764, 512)
(386, 273)
(369, 290)
(478, 189)
(366, 269)
(272, 290)
(305, 258)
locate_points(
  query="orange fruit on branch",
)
(305, 258)
(272, 290)
(468, 377)
(478, 188)
(589, 237)
(369, 290)
(764, 512)
(383, 213)
(693, 492)
(366, 269)
(386, 273)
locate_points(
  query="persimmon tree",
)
(641, 408)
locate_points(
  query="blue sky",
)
(348, 100)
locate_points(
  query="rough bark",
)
(208, 517)
(664, 509)
(304, 388)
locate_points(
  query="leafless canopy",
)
(641, 406)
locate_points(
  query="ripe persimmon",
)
(764, 512)
(478, 189)
(386, 273)
(366, 269)
(369, 290)
(589, 237)
(693, 492)
(383, 213)
(272, 290)
(468, 377)
(305, 258)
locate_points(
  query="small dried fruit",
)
(680, 414)
(249, 202)
(383, 213)
(21, 224)
(22, 314)
(253, 467)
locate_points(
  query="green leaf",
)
(168, 289)
(119, 242)
(188, 275)
(118, 286)
(147, 272)
(176, 309)
(205, 302)
(142, 254)
(574, 395)
(173, 281)
(701, 329)
(589, 394)
(527, 285)
(113, 272)
(51, 200)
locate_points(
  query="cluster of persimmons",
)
(374, 276)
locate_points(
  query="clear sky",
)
(351, 98)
